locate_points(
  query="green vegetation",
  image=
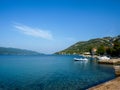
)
(101, 50)
(115, 49)
(16, 51)
(106, 45)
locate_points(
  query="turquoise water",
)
(51, 72)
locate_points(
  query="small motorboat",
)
(80, 59)
(103, 58)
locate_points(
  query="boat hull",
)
(80, 59)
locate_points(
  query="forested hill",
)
(85, 46)
(16, 51)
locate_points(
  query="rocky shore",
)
(117, 70)
(111, 61)
(110, 85)
(114, 62)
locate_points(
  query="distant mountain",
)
(85, 46)
(16, 51)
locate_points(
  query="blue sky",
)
(52, 25)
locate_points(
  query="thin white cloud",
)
(34, 31)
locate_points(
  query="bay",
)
(51, 72)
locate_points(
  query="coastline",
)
(111, 61)
(114, 62)
(109, 85)
(113, 84)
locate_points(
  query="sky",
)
(48, 26)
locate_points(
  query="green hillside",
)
(16, 51)
(86, 46)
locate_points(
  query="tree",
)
(101, 50)
(115, 49)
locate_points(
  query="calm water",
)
(51, 72)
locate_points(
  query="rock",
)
(117, 70)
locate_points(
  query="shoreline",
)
(110, 61)
(113, 84)
(114, 62)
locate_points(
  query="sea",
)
(51, 72)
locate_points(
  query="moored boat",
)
(80, 59)
(103, 58)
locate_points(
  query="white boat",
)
(80, 59)
(103, 58)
